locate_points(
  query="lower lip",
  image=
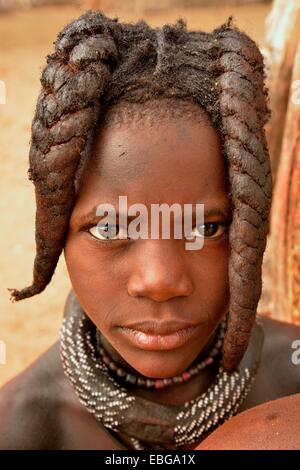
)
(155, 342)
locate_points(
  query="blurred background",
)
(28, 29)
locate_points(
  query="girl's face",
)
(120, 282)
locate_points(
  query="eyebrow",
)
(218, 212)
(222, 211)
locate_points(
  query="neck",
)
(176, 394)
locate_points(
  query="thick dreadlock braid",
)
(222, 72)
(66, 113)
(244, 113)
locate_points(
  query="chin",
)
(161, 372)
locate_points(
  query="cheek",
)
(212, 283)
(219, 267)
(93, 284)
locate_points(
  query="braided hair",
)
(97, 62)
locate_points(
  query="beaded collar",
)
(210, 357)
(144, 421)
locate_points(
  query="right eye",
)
(107, 232)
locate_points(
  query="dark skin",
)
(157, 279)
(271, 426)
(124, 280)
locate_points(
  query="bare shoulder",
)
(278, 374)
(280, 331)
(28, 406)
(270, 426)
(281, 340)
(39, 410)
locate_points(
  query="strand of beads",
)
(159, 384)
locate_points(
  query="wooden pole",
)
(285, 216)
(282, 36)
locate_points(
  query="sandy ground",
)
(29, 327)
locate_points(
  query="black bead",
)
(130, 378)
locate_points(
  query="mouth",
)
(152, 336)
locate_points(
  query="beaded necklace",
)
(146, 422)
(141, 381)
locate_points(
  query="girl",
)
(159, 345)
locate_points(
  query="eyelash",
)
(108, 241)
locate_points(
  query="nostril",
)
(159, 290)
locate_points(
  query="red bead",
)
(106, 359)
(186, 375)
(159, 384)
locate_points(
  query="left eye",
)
(107, 232)
(210, 230)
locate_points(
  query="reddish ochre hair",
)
(99, 62)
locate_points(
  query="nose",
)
(160, 272)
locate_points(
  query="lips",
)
(153, 327)
(160, 336)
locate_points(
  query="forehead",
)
(171, 161)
